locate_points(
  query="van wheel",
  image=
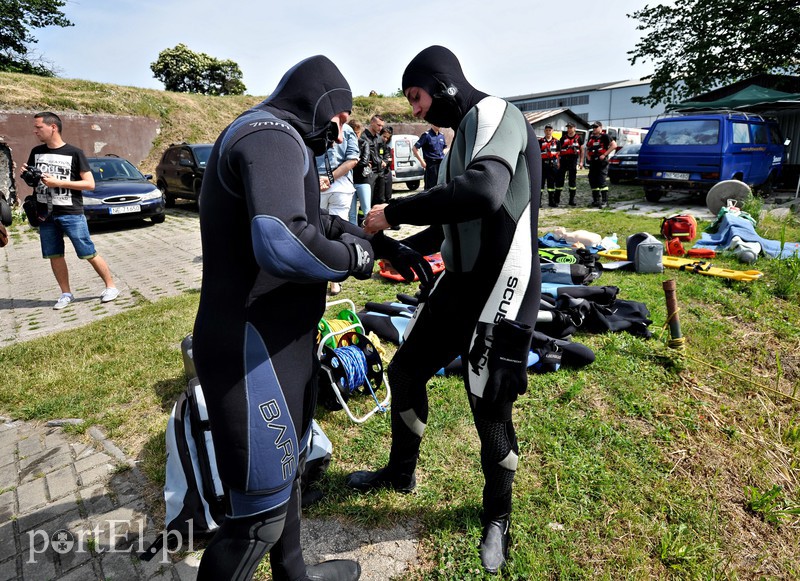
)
(412, 185)
(765, 189)
(169, 201)
(652, 195)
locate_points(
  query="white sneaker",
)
(109, 295)
(63, 301)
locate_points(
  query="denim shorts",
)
(52, 231)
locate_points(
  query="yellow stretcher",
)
(692, 265)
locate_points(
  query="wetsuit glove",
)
(405, 260)
(508, 361)
(361, 256)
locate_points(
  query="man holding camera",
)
(58, 172)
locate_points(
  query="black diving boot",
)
(334, 570)
(495, 539)
(364, 480)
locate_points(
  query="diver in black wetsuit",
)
(483, 214)
(268, 254)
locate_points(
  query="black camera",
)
(32, 176)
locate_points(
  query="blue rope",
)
(355, 366)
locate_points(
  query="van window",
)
(741, 133)
(776, 134)
(402, 149)
(758, 133)
(689, 132)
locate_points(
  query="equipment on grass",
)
(723, 193)
(350, 363)
(681, 226)
(389, 273)
(689, 265)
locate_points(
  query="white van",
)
(405, 166)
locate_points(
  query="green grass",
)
(649, 463)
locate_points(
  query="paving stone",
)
(38, 567)
(61, 482)
(119, 528)
(187, 568)
(7, 506)
(31, 494)
(29, 446)
(97, 474)
(66, 508)
(55, 439)
(38, 464)
(95, 499)
(87, 462)
(8, 545)
(118, 566)
(8, 477)
(81, 573)
(8, 570)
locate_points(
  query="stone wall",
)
(126, 136)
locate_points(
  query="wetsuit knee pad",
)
(498, 441)
(240, 544)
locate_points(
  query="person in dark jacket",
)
(361, 177)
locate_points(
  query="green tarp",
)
(747, 99)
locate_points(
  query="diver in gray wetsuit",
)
(268, 254)
(483, 216)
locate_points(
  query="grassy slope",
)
(183, 117)
(642, 465)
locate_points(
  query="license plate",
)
(125, 209)
(627, 163)
(672, 175)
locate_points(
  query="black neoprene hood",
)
(311, 93)
(438, 71)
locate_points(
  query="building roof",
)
(535, 117)
(582, 89)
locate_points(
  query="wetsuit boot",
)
(408, 425)
(334, 570)
(495, 540)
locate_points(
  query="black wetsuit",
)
(484, 215)
(268, 253)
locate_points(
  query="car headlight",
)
(87, 201)
(154, 195)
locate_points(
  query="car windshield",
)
(631, 149)
(111, 168)
(201, 153)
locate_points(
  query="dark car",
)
(179, 174)
(622, 166)
(121, 192)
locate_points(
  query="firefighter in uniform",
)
(550, 147)
(570, 160)
(598, 147)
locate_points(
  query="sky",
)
(506, 47)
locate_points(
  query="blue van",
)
(691, 153)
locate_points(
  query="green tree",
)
(184, 71)
(697, 45)
(18, 20)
